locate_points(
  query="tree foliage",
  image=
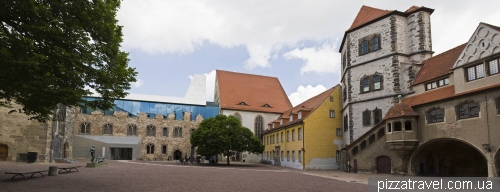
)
(53, 51)
(224, 134)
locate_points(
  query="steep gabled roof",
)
(400, 110)
(438, 65)
(482, 44)
(248, 92)
(367, 14)
(309, 105)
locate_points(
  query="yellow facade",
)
(317, 149)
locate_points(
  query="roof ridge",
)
(245, 73)
(490, 25)
(377, 8)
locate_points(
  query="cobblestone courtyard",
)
(170, 176)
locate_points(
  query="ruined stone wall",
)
(22, 135)
(121, 120)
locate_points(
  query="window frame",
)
(259, 125)
(293, 134)
(497, 102)
(366, 117)
(365, 83)
(177, 132)
(165, 132)
(131, 130)
(85, 128)
(150, 130)
(468, 103)
(432, 115)
(377, 115)
(332, 113)
(287, 155)
(497, 66)
(346, 123)
(339, 131)
(467, 75)
(288, 136)
(299, 134)
(373, 44)
(338, 155)
(150, 148)
(107, 129)
(364, 47)
(299, 156)
(164, 149)
(437, 84)
(380, 81)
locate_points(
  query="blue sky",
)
(296, 41)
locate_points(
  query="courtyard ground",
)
(171, 176)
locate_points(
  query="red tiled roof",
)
(367, 14)
(441, 94)
(438, 65)
(309, 105)
(254, 90)
(400, 110)
(412, 8)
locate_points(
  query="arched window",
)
(365, 85)
(364, 47)
(178, 132)
(377, 82)
(375, 43)
(85, 128)
(131, 130)
(151, 130)
(468, 110)
(367, 117)
(238, 116)
(377, 116)
(164, 149)
(259, 124)
(435, 115)
(344, 94)
(165, 131)
(150, 148)
(107, 129)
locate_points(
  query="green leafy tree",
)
(224, 134)
(53, 51)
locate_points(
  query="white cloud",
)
(266, 27)
(138, 83)
(320, 60)
(304, 93)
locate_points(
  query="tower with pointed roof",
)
(381, 53)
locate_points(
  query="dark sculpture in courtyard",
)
(92, 153)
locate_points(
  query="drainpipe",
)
(489, 159)
(303, 146)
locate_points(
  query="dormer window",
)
(436, 84)
(273, 125)
(267, 105)
(300, 115)
(281, 121)
(291, 117)
(242, 103)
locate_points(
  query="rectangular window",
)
(282, 157)
(332, 113)
(291, 118)
(498, 106)
(299, 115)
(475, 72)
(338, 156)
(331, 98)
(287, 155)
(293, 156)
(339, 131)
(277, 138)
(282, 137)
(300, 133)
(366, 117)
(281, 121)
(293, 135)
(300, 156)
(165, 132)
(287, 135)
(493, 67)
(346, 127)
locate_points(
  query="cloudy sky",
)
(294, 40)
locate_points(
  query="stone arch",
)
(4, 152)
(177, 154)
(448, 157)
(238, 116)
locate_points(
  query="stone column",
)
(491, 164)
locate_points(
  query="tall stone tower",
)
(382, 52)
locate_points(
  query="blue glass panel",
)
(136, 108)
(215, 111)
(195, 112)
(201, 111)
(144, 107)
(170, 108)
(118, 105)
(127, 106)
(161, 109)
(178, 114)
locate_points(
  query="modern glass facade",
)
(152, 108)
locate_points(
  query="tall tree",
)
(53, 51)
(224, 134)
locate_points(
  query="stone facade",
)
(404, 43)
(120, 122)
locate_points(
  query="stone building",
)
(253, 99)
(447, 127)
(381, 53)
(309, 135)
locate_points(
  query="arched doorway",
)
(384, 164)
(497, 163)
(177, 155)
(4, 150)
(449, 158)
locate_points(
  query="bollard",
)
(53, 170)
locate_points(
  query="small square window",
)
(332, 113)
(339, 131)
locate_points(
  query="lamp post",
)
(486, 147)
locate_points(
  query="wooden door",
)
(3, 152)
(383, 164)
